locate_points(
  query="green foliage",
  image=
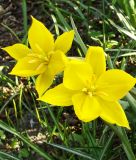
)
(129, 8)
(108, 24)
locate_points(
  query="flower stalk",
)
(121, 133)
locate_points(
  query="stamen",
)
(91, 91)
(39, 57)
(84, 90)
(92, 88)
(40, 67)
(87, 91)
(101, 93)
(33, 61)
(90, 94)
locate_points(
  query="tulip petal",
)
(43, 82)
(77, 75)
(86, 107)
(17, 51)
(57, 62)
(40, 38)
(96, 58)
(64, 41)
(28, 66)
(114, 84)
(112, 112)
(59, 96)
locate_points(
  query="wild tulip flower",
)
(93, 91)
(46, 58)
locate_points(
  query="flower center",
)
(90, 88)
(89, 91)
(38, 58)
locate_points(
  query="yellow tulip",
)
(93, 91)
(46, 58)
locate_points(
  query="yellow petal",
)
(86, 107)
(28, 66)
(57, 62)
(112, 112)
(17, 51)
(40, 38)
(59, 96)
(77, 74)
(96, 58)
(43, 82)
(114, 84)
(64, 41)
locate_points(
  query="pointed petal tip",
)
(128, 127)
(32, 17)
(11, 73)
(15, 74)
(124, 126)
(72, 31)
(39, 99)
(3, 48)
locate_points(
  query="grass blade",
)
(73, 151)
(6, 155)
(79, 40)
(7, 128)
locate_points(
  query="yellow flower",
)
(46, 58)
(93, 91)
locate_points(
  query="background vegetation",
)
(33, 130)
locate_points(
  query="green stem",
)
(56, 124)
(107, 145)
(125, 141)
(79, 39)
(131, 101)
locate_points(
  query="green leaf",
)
(73, 151)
